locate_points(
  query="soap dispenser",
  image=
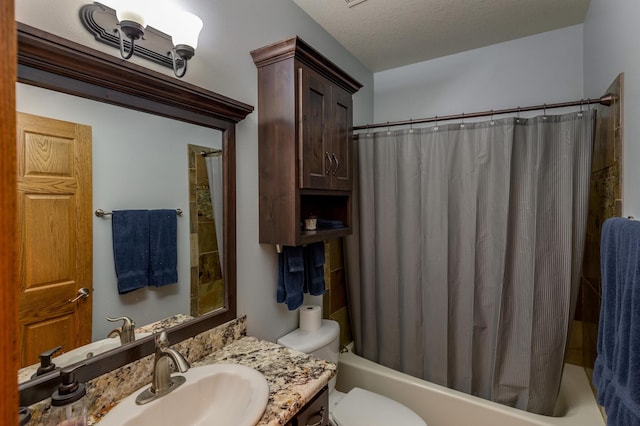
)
(68, 403)
(45, 362)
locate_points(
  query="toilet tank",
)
(323, 343)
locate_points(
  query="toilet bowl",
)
(358, 407)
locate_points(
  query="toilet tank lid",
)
(310, 341)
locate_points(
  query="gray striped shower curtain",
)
(465, 261)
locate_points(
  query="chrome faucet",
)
(126, 332)
(163, 382)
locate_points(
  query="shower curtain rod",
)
(604, 100)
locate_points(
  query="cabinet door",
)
(341, 139)
(315, 413)
(314, 144)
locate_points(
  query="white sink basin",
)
(216, 394)
(90, 350)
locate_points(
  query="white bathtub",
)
(440, 406)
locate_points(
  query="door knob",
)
(83, 293)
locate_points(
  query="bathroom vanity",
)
(297, 381)
(315, 413)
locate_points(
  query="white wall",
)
(139, 162)
(543, 68)
(611, 46)
(223, 64)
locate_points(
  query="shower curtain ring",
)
(411, 125)
(435, 128)
(581, 105)
(388, 129)
(462, 121)
(518, 115)
(545, 111)
(492, 121)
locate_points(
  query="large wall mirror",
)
(144, 130)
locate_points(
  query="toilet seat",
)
(363, 408)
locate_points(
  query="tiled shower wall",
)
(207, 285)
(605, 201)
(334, 300)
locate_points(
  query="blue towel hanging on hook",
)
(290, 277)
(300, 270)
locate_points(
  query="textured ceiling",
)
(386, 34)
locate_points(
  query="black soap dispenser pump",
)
(45, 362)
(68, 403)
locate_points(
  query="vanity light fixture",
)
(184, 34)
(147, 29)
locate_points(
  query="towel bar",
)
(102, 213)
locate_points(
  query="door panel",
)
(54, 234)
(342, 139)
(313, 133)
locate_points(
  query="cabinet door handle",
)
(315, 416)
(335, 170)
(330, 163)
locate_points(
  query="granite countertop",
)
(294, 377)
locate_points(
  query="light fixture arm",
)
(132, 31)
(181, 53)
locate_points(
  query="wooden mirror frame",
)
(55, 63)
(8, 196)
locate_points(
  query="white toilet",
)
(358, 407)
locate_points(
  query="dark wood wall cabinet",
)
(305, 117)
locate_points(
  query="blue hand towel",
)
(163, 251)
(616, 374)
(290, 277)
(314, 269)
(130, 231)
